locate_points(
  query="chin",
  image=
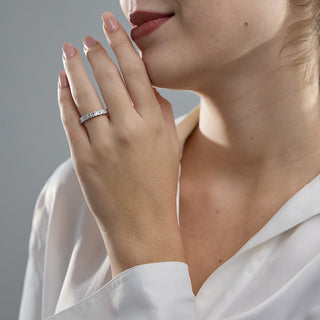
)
(166, 73)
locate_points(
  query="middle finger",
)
(109, 81)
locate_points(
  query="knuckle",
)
(119, 43)
(65, 120)
(106, 74)
(134, 70)
(124, 136)
(60, 101)
(81, 94)
(61, 97)
(102, 148)
(61, 104)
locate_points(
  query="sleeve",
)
(31, 300)
(153, 291)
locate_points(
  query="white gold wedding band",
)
(93, 114)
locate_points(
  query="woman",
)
(215, 218)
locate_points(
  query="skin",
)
(257, 137)
(258, 134)
(127, 164)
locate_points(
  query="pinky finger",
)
(77, 135)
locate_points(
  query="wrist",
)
(126, 252)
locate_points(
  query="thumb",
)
(168, 116)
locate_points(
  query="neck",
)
(259, 127)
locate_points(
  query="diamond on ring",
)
(93, 114)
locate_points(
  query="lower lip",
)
(147, 27)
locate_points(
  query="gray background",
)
(32, 138)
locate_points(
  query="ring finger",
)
(83, 91)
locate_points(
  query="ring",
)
(93, 114)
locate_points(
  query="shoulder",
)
(63, 177)
(61, 192)
(63, 174)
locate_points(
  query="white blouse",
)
(274, 276)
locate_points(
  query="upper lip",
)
(138, 17)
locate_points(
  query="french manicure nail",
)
(110, 22)
(68, 50)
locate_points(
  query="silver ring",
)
(93, 114)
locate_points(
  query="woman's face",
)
(206, 37)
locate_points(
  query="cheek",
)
(229, 30)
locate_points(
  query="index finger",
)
(132, 67)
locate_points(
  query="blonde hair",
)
(303, 37)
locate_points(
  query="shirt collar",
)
(303, 205)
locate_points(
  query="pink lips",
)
(146, 22)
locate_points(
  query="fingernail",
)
(110, 22)
(63, 81)
(68, 50)
(89, 42)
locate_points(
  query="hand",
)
(127, 163)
